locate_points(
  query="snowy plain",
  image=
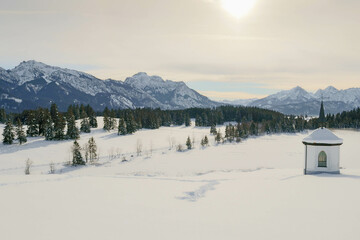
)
(251, 190)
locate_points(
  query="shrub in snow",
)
(179, 148)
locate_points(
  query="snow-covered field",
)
(252, 190)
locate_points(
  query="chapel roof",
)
(322, 136)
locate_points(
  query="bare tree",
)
(28, 164)
(111, 154)
(138, 147)
(118, 152)
(86, 151)
(151, 148)
(170, 142)
(52, 168)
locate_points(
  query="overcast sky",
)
(278, 45)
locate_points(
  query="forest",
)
(242, 121)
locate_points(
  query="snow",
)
(251, 190)
(322, 136)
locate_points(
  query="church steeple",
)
(322, 119)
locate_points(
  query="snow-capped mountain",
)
(298, 101)
(239, 102)
(32, 84)
(175, 94)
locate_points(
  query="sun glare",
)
(238, 8)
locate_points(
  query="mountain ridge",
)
(38, 84)
(298, 101)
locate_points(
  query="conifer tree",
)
(2, 115)
(198, 121)
(213, 129)
(8, 133)
(85, 125)
(218, 137)
(59, 126)
(188, 143)
(253, 129)
(130, 123)
(92, 117)
(107, 119)
(41, 120)
(77, 158)
(72, 130)
(187, 120)
(206, 140)
(112, 119)
(82, 111)
(54, 113)
(92, 150)
(33, 129)
(76, 112)
(49, 129)
(122, 127)
(21, 136)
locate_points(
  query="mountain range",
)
(298, 101)
(32, 84)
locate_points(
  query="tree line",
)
(246, 121)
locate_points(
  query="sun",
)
(238, 8)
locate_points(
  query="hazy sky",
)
(279, 44)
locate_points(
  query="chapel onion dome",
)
(324, 137)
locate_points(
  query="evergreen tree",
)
(72, 130)
(198, 121)
(218, 137)
(130, 123)
(21, 136)
(33, 129)
(206, 140)
(253, 129)
(59, 126)
(85, 124)
(41, 120)
(187, 120)
(2, 115)
(76, 112)
(92, 116)
(122, 127)
(107, 119)
(8, 133)
(112, 119)
(93, 120)
(54, 113)
(82, 111)
(49, 129)
(213, 129)
(188, 143)
(77, 158)
(92, 150)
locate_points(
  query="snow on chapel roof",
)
(322, 136)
